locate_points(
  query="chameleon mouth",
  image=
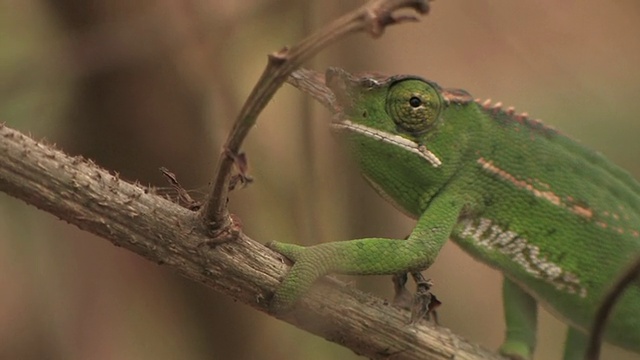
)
(396, 140)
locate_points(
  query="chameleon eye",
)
(414, 105)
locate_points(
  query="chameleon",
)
(557, 219)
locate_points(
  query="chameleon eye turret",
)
(414, 105)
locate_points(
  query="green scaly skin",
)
(557, 219)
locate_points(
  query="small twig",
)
(183, 195)
(372, 17)
(600, 322)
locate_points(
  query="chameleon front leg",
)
(370, 256)
(520, 312)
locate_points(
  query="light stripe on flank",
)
(548, 195)
(484, 233)
(396, 140)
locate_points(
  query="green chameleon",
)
(557, 219)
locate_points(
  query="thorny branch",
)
(372, 17)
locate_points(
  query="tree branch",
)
(81, 193)
(372, 17)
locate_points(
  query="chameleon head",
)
(398, 110)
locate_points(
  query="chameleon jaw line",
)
(392, 139)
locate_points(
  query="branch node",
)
(228, 233)
(279, 57)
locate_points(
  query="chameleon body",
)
(557, 219)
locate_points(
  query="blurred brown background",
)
(136, 85)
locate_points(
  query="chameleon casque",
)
(556, 218)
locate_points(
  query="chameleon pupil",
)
(415, 102)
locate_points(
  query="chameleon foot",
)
(516, 350)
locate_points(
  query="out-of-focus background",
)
(136, 85)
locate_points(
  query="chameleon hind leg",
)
(520, 312)
(575, 345)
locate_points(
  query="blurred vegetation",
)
(136, 85)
